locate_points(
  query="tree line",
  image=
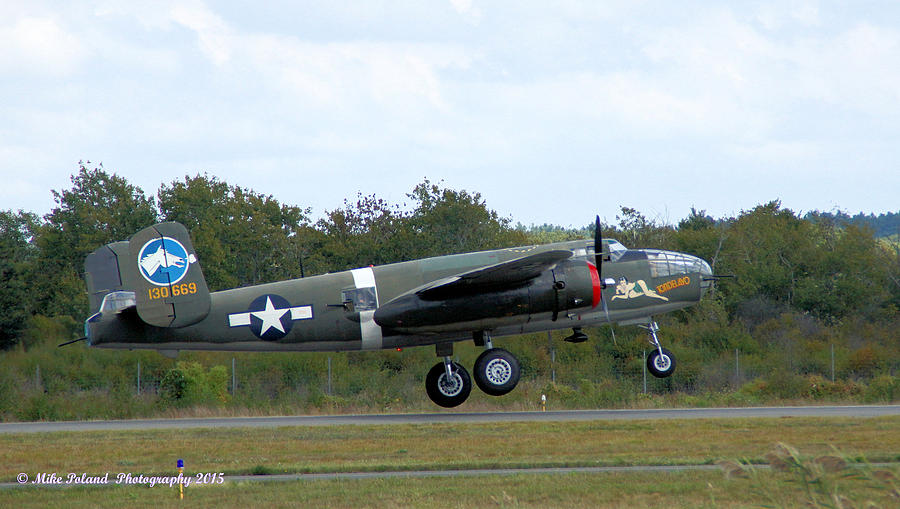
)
(886, 224)
(243, 237)
(801, 283)
(817, 265)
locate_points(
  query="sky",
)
(553, 111)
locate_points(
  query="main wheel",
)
(497, 371)
(661, 366)
(445, 392)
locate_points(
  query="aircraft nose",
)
(706, 279)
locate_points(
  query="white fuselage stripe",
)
(297, 313)
(369, 330)
(364, 277)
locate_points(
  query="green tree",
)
(851, 275)
(636, 231)
(701, 235)
(769, 249)
(188, 383)
(17, 255)
(447, 221)
(99, 208)
(242, 237)
(442, 221)
(368, 232)
(814, 266)
(548, 234)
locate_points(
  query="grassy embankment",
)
(709, 489)
(448, 446)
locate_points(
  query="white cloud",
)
(467, 10)
(39, 45)
(214, 35)
(464, 90)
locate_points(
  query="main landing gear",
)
(496, 372)
(448, 383)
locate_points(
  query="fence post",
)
(139, 377)
(329, 375)
(233, 379)
(832, 363)
(552, 357)
(644, 364)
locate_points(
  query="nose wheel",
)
(660, 362)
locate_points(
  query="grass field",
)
(668, 490)
(452, 446)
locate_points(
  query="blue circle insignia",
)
(163, 261)
(270, 317)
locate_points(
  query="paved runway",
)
(468, 472)
(394, 419)
(404, 474)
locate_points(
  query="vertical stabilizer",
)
(169, 286)
(102, 272)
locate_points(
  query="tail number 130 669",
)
(163, 292)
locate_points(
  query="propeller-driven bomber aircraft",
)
(149, 293)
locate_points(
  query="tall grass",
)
(43, 382)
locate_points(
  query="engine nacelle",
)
(570, 285)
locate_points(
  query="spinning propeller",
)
(598, 258)
(577, 335)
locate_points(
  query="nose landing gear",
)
(660, 362)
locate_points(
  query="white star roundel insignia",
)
(270, 317)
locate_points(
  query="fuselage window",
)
(362, 299)
(117, 301)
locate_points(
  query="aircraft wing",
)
(457, 302)
(504, 275)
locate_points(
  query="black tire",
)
(497, 371)
(448, 395)
(661, 366)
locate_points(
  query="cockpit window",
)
(616, 249)
(117, 301)
(612, 247)
(668, 263)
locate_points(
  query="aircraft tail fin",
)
(160, 266)
(102, 274)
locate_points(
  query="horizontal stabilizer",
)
(103, 274)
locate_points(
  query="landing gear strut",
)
(660, 362)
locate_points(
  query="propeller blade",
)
(598, 258)
(611, 330)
